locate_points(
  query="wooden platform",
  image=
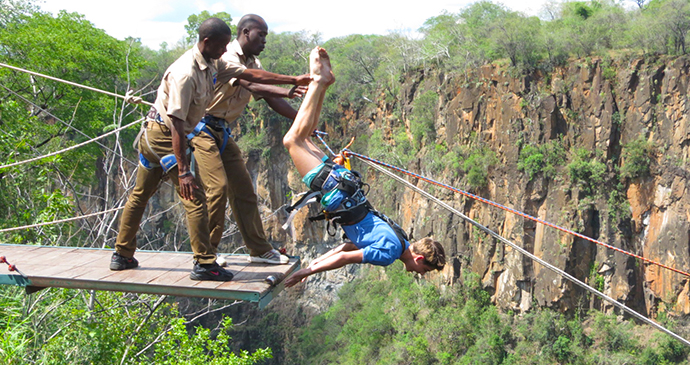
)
(163, 273)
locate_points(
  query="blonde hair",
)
(433, 252)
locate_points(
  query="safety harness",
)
(218, 124)
(168, 162)
(350, 211)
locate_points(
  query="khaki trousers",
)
(160, 144)
(225, 177)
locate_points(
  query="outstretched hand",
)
(297, 91)
(302, 80)
(297, 277)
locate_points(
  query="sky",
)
(157, 21)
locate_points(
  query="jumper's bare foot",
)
(320, 66)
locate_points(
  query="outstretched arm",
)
(347, 246)
(282, 107)
(274, 96)
(272, 91)
(334, 261)
(265, 77)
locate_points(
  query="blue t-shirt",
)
(377, 240)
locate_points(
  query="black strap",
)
(299, 203)
(321, 176)
(402, 236)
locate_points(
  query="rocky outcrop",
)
(593, 104)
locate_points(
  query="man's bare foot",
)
(320, 66)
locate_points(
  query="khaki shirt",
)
(230, 99)
(187, 87)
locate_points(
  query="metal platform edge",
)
(36, 283)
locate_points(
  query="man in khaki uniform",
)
(184, 94)
(222, 170)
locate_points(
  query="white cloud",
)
(156, 21)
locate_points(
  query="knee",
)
(215, 193)
(289, 140)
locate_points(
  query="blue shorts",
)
(330, 200)
(309, 177)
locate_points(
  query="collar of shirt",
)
(199, 58)
(237, 48)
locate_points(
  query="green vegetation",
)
(637, 157)
(387, 317)
(57, 327)
(423, 118)
(195, 20)
(587, 172)
(545, 159)
(484, 32)
(40, 116)
(477, 165)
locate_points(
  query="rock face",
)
(596, 105)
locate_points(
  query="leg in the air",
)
(304, 153)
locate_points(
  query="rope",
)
(130, 98)
(72, 147)
(318, 134)
(66, 124)
(511, 210)
(61, 220)
(533, 257)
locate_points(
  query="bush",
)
(637, 157)
(561, 348)
(531, 161)
(423, 117)
(587, 172)
(542, 159)
(477, 165)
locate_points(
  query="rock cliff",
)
(598, 105)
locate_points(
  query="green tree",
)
(40, 116)
(673, 18)
(62, 328)
(195, 20)
(586, 171)
(11, 10)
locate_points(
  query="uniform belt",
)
(218, 124)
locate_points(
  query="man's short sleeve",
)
(228, 70)
(180, 94)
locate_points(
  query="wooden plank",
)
(174, 273)
(67, 263)
(260, 285)
(101, 270)
(101, 264)
(18, 254)
(52, 256)
(22, 257)
(162, 273)
(151, 267)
